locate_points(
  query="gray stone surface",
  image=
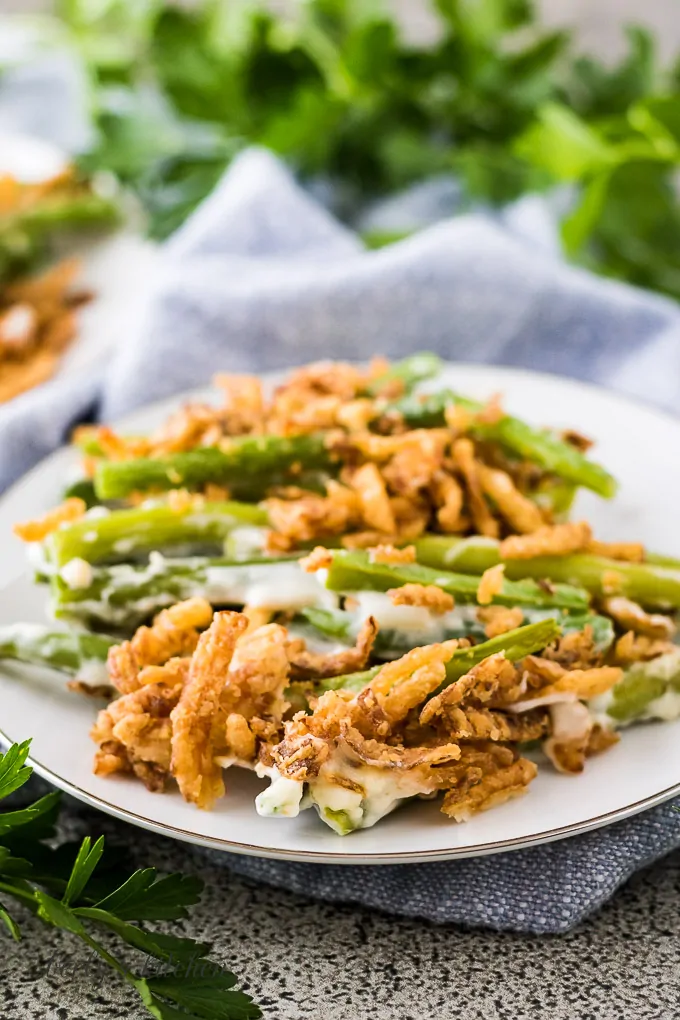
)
(311, 961)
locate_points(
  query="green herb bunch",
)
(336, 88)
(81, 890)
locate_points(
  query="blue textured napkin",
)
(263, 277)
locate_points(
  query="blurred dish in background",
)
(37, 323)
(38, 312)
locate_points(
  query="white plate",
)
(640, 447)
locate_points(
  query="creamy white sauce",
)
(276, 586)
(244, 541)
(27, 635)
(570, 721)
(124, 545)
(117, 614)
(157, 562)
(383, 791)
(93, 672)
(77, 573)
(342, 809)
(318, 643)
(96, 513)
(556, 698)
(599, 708)
(281, 799)
(666, 707)
(36, 554)
(18, 325)
(418, 622)
(665, 667)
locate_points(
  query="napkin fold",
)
(545, 890)
(262, 277)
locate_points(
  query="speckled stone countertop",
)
(302, 959)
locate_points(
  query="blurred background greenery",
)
(368, 99)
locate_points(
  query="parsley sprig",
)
(346, 96)
(80, 889)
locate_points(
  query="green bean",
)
(249, 466)
(538, 445)
(23, 234)
(410, 371)
(515, 644)
(124, 595)
(651, 585)
(354, 571)
(83, 488)
(643, 683)
(70, 652)
(121, 534)
(390, 642)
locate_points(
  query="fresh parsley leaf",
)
(33, 822)
(581, 223)
(336, 89)
(564, 145)
(13, 867)
(169, 948)
(205, 991)
(9, 923)
(595, 90)
(144, 897)
(190, 986)
(13, 770)
(57, 913)
(86, 861)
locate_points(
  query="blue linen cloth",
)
(262, 277)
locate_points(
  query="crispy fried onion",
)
(429, 596)
(134, 734)
(630, 616)
(488, 778)
(188, 715)
(388, 554)
(627, 552)
(553, 678)
(312, 516)
(640, 648)
(484, 521)
(401, 685)
(488, 724)
(36, 530)
(521, 513)
(555, 540)
(174, 632)
(195, 717)
(306, 665)
(575, 650)
(493, 680)
(223, 700)
(574, 737)
(490, 584)
(499, 619)
(258, 674)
